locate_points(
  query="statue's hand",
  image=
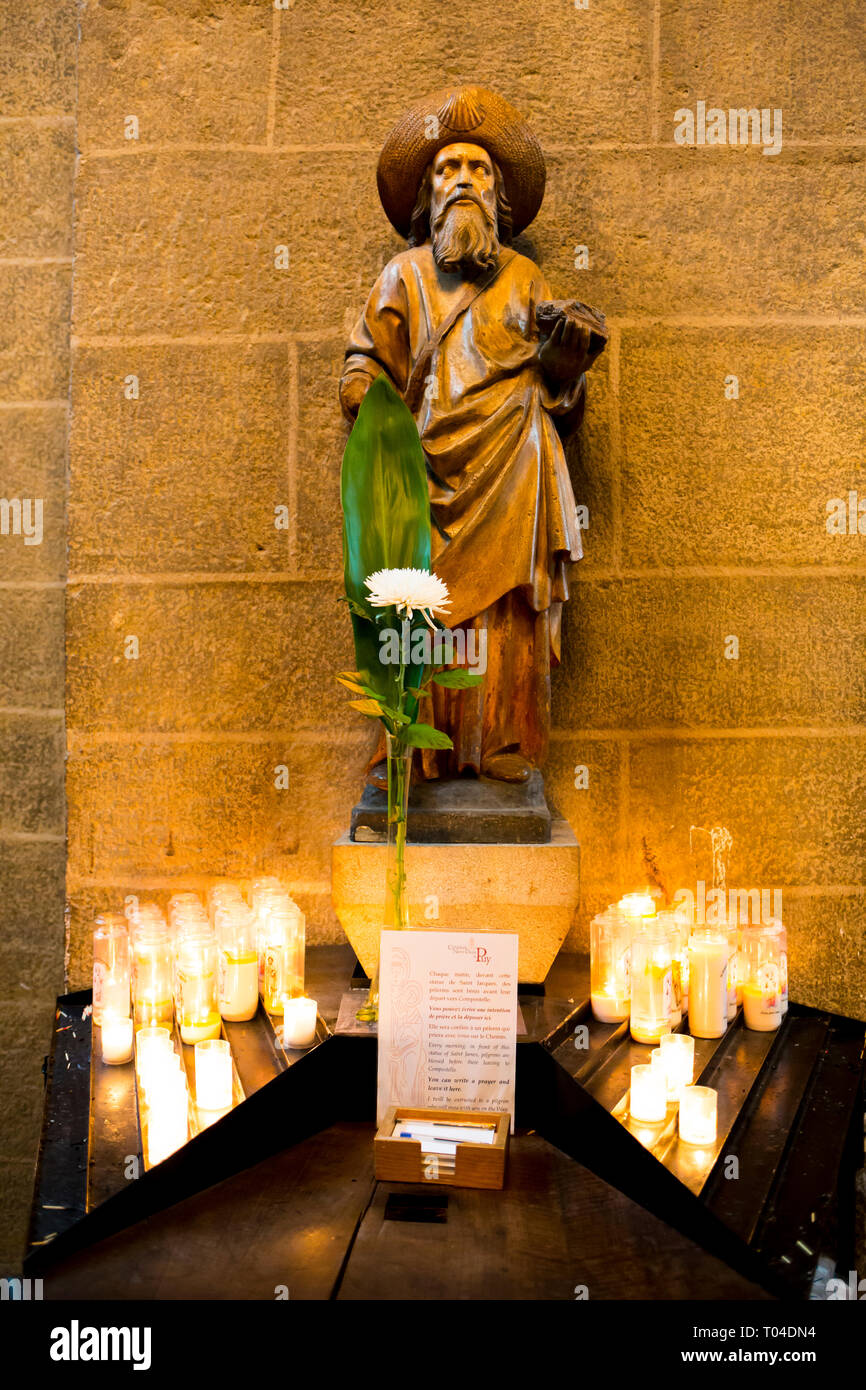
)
(565, 354)
(353, 389)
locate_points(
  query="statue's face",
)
(463, 219)
(461, 174)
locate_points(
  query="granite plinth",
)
(461, 810)
(531, 889)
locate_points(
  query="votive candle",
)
(168, 1120)
(698, 1115)
(213, 1074)
(648, 1097)
(150, 1042)
(299, 1022)
(708, 983)
(116, 1040)
(678, 1059)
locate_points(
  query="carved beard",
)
(465, 239)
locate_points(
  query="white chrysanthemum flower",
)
(409, 591)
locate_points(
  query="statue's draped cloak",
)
(504, 515)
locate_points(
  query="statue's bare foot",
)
(377, 776)
(507, 767)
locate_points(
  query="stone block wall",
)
(38, 41)
(226, 232)
(258, 127)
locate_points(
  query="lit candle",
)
(638, 905)
(299, 1022)
(651, 983)
(658, 1063)
(197, 999)
(647, 1098)
(762, 990)
(161, 1073)
(733, 972)
(150, 1042)
(708, 983)
(238, 961)
(116, 1040)
(671, 923)
(678, 1059)
(610, 966)
(698, 1115)
(168, 1120)
(213, 1074)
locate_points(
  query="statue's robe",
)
(505, 524)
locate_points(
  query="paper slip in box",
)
(473, 1164)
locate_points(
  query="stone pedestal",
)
(531, 889)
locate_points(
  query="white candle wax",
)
(151, 1044)
(678, 1059)
(657, 1062)
(762, 1004)
(299, 1022)
(116, 1040)
(161, 1073)
(608, 1007)
(708, 985)
(238, 985)
(213, 1074)
(647, 1098)
(168, 1121)
(698, 1115)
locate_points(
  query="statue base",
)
(530, 889)
(462, 810)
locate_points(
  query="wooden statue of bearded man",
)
(452, 320)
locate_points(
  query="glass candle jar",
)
(152, 988)
(610, 966)
(284, 924)
(730, 930)
(263, 893)
(668, 921)
(708, 982)
(223, 894)
(110, 965)
(647, 1100)
(168, 1119)
(698, 1116)
(213, 1073)
(651, 983)
(762, 983)
(638, 907)
(238, 960)
(657, 1061)
(152, 1048)
(677, 1055)
(781, 929)
(198, 1013)
(116, 1039)
(299, 1022)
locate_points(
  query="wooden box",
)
(475, 1165)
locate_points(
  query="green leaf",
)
(386, 516)
(425, 736)
(367, 707)
(457, 678)
(396, 715)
